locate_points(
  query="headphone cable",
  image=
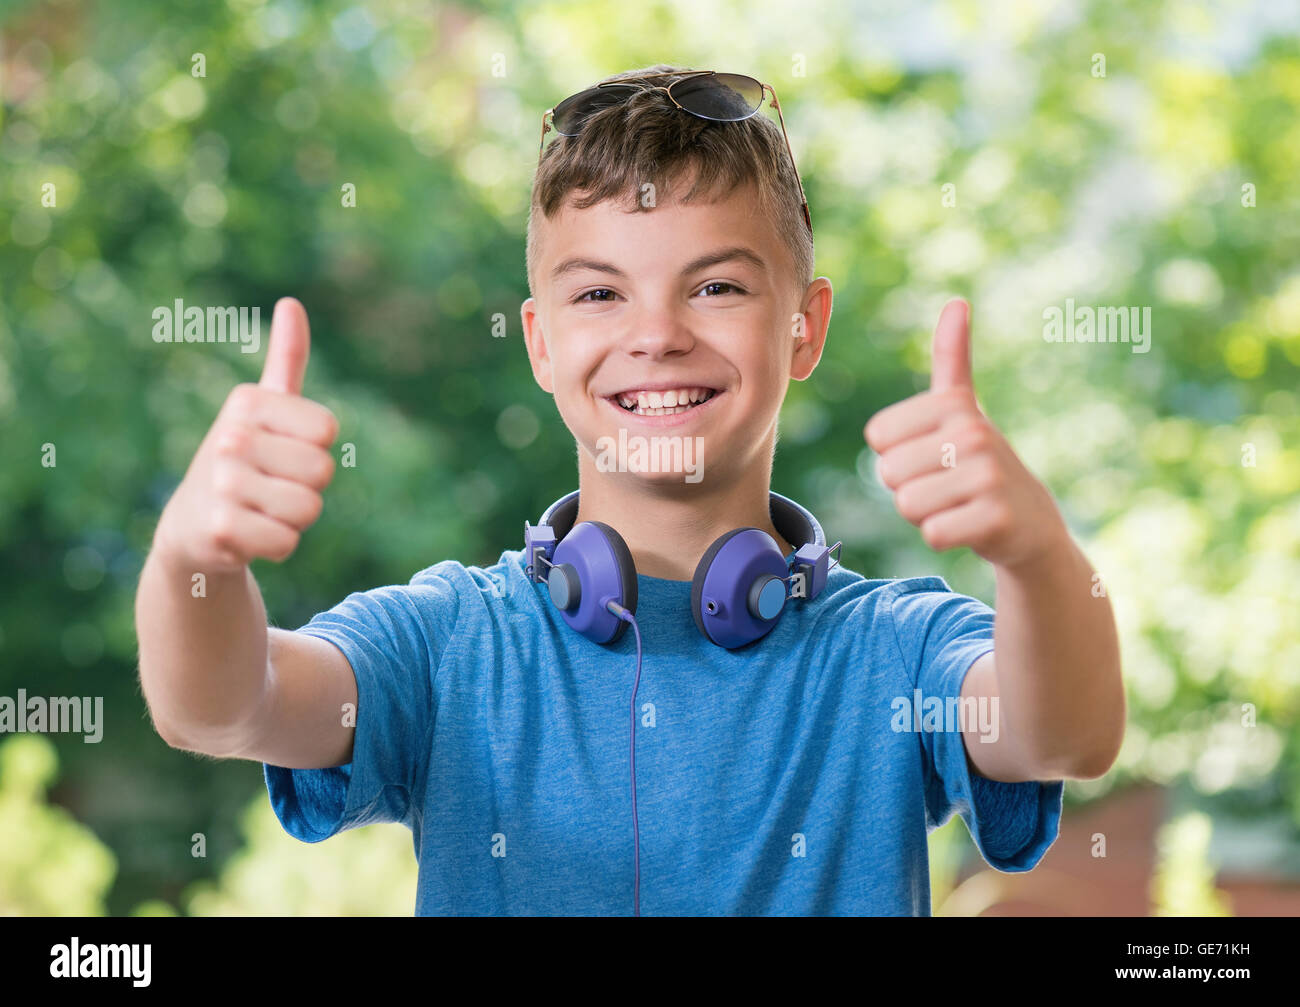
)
(628, 617)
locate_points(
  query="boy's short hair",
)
(647, 138)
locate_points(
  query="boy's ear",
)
(816, 310)
(535, 342)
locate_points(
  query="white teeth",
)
(676, 400)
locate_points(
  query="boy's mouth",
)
(662, 401)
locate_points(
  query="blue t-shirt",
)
(780, 778)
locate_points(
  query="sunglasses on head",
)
(719, 97)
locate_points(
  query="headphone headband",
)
(795, 523)
(740, 585)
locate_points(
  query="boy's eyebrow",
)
(704, 261)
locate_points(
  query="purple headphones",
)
(739, 590)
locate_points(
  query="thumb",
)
(287, 349)
(950, 350)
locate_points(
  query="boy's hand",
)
(952, 472)
(255, 482)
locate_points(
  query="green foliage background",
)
(1125, 189)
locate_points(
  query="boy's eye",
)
(600, 290)
(731, 288)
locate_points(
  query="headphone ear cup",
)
(626, 572)
(701, 572)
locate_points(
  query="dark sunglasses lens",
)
(722, 96)
(571, 113)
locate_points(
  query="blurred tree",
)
(50, 864)
(1184, 879)
(369, 871)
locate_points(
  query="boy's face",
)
(692, 295)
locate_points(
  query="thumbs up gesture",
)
(952, 472)
(255, 482)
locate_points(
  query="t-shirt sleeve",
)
(393, 638)
(941, 634)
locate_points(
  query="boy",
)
(668, 248)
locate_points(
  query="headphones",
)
(739, 590)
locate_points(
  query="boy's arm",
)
(1055, 666)
(215, 679)
(1055, 669)
(219, 681)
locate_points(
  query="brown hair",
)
(648, 139)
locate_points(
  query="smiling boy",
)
(670, 265)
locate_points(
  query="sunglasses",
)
(719, 97)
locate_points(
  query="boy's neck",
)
(668, 527)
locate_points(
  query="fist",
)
(951, 471)
(255, 482)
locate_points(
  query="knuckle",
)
(243, 399)
(287, 545)
(225, 527)
(326, 424)
(234, 440)
(331, 425)
(324, 470)
(884, 470)
(933, 535)
(312, 507)
(974, 435)
(905, 500)
(1000, 519)
(226, 479)
(227, 558)
(991, 476)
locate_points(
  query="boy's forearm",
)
(203, 660)
(1056, 653)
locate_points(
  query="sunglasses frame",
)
(685, 75)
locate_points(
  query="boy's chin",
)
(653, 460)
(634, 476)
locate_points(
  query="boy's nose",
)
(657, 335)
